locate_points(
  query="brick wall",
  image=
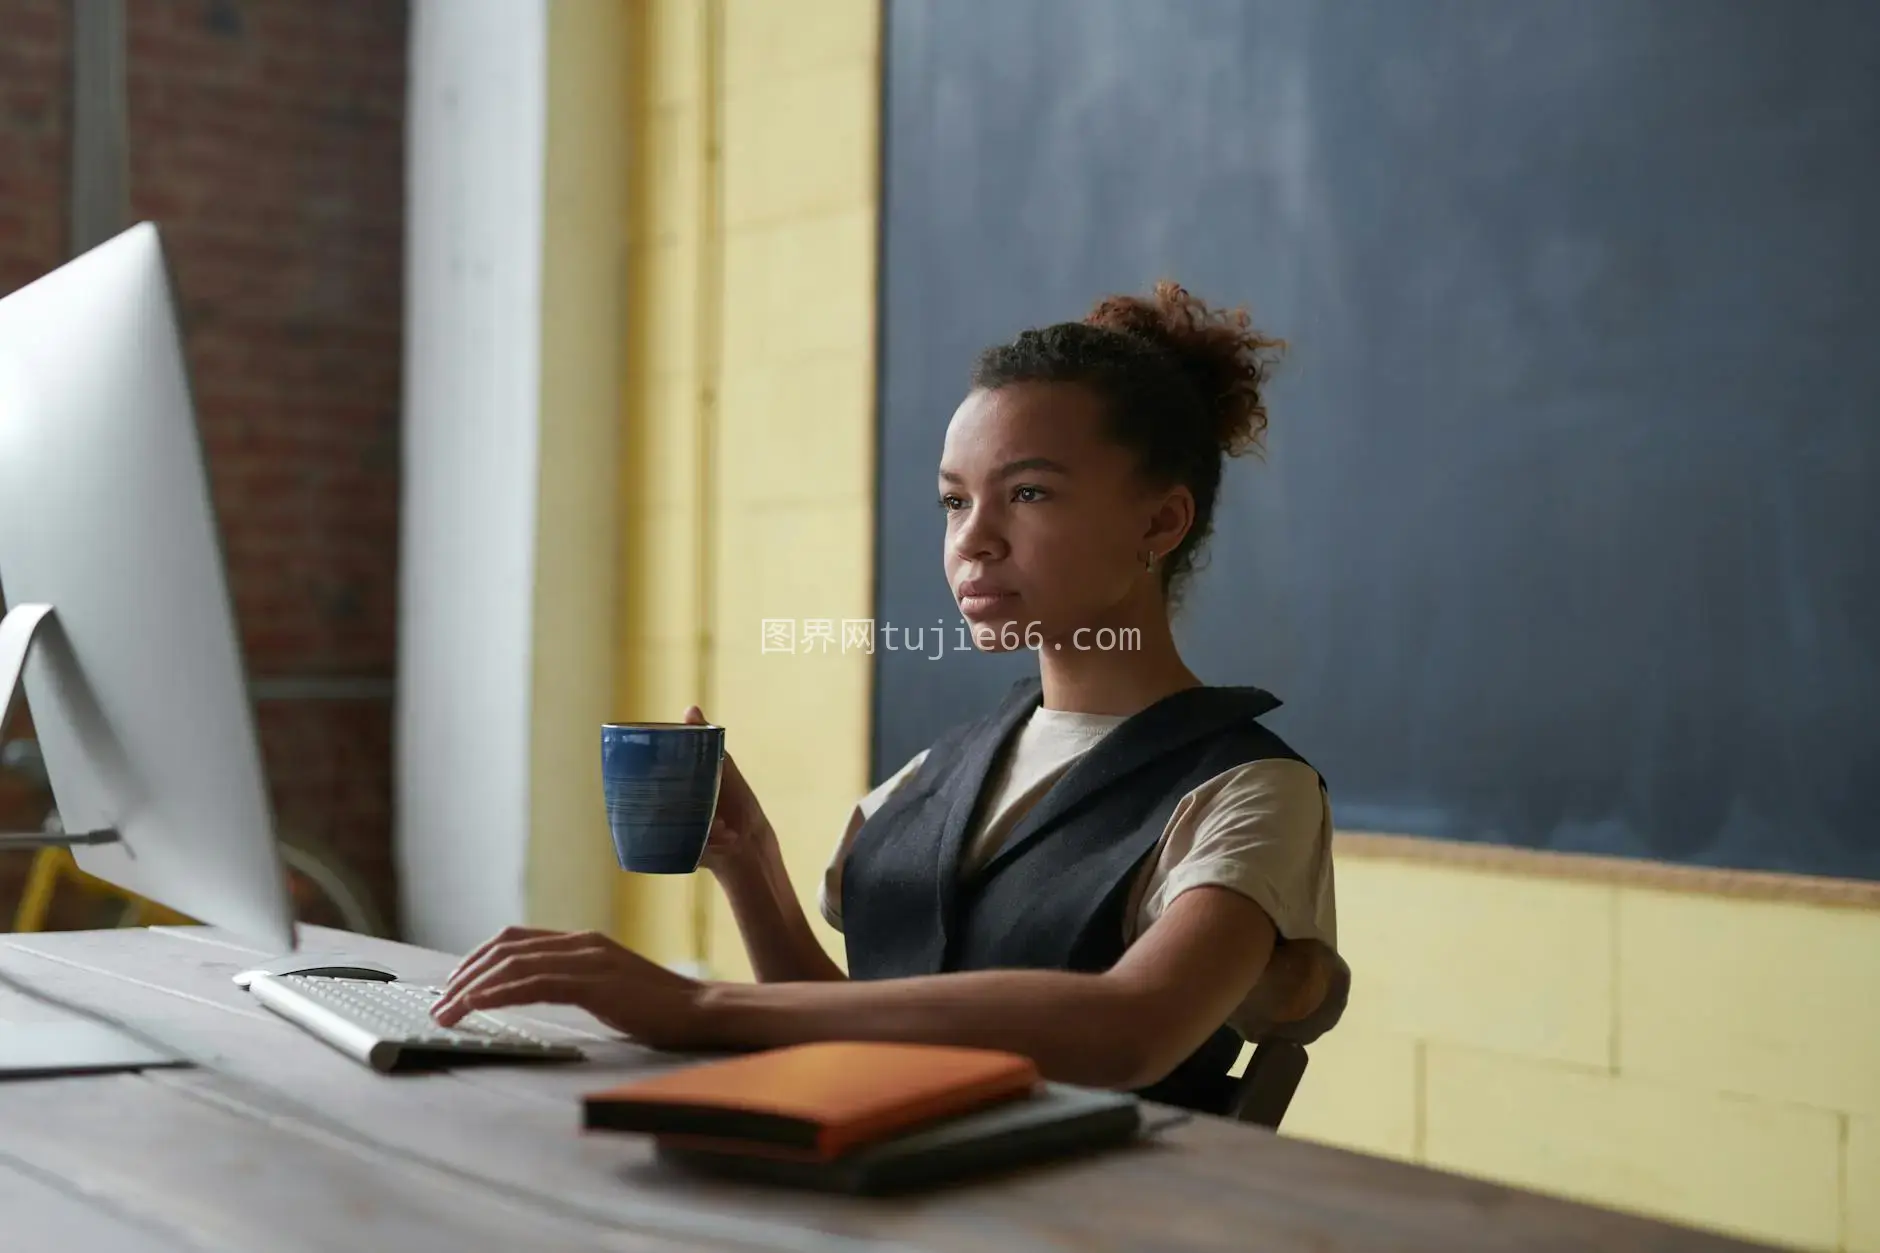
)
(35, 121)
(267, 141)
(35, 49)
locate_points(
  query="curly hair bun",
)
(1220, 353)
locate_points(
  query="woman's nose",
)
(978, 536)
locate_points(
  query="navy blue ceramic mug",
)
(661, 780)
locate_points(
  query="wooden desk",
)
(276, 1142)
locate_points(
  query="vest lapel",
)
(967, 788)
(1169, 725)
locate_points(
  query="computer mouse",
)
(325, 965)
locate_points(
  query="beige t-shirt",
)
(1263, 829)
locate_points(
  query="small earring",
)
(1148, 563)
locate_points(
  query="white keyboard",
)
(384, 1024)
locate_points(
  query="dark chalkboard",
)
(1567, 536)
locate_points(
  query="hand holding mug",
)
(739, 827)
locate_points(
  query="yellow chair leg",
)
(49, 866)
(53, 866)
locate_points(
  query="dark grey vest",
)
(1054, 896)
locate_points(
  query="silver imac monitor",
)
(118, 603)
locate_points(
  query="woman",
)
(1099, 872)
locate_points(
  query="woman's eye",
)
(1028, 494)
(950, 503)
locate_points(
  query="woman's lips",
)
(976, 603)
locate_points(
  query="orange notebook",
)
(816, 1101)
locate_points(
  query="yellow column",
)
(795, 471)
(575, 646)
(667, 387)
(747, 474)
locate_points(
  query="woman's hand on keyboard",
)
(527, 966)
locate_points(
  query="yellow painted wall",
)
(747, 473)
(577, 566)
(663, 497)
(795, 471)
(1708, 1060)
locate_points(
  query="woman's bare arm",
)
(1124, 1028)
(770, 918)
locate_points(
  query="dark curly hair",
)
(1182, 386)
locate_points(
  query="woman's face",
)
(1048, 523)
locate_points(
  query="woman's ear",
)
(1169, 522)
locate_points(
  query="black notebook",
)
(1059, 1121)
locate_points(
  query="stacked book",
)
(862, 1117)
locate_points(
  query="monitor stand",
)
(71, 1041)
(17, 632)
